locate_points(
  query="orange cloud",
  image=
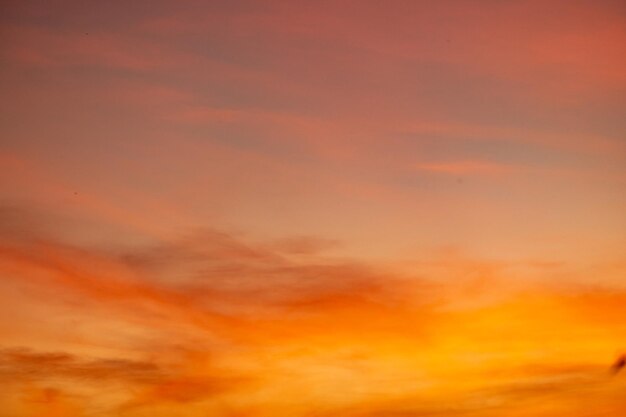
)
(19, 364)
(235, 325)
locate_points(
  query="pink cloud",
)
(465, 168)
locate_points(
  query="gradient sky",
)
(312, 209)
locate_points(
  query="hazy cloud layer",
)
(312, 209)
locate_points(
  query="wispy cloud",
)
(229, 318)
(465, 168)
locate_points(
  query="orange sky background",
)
(312, 209)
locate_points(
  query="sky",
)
(312, 209)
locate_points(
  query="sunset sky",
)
(312, 208)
